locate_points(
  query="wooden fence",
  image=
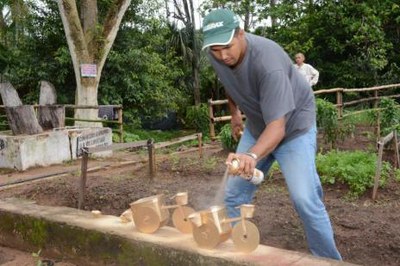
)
(151, 147)
(340, 103)
(118, 122)
(382, 142)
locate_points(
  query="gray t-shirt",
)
(266, 86)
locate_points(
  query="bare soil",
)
(367, 232)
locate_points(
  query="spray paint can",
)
(256, 178)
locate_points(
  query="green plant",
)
(274, 169)
(327, 120)
(390, 115)
(356, 169)
(157, 135)
(369, 117)
(36, 255)
(397, 175)
(228, 142)
(175, 162)
(128, 137)
(197, 118)
(209, 163)
(328, 123)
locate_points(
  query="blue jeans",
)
(296, 159)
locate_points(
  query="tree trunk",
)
(190, 25)
(86, 94)
(89, 46)
(51, 116)
(22, 120)
(196, 58)
(273, 18)
(196, 81)
(247, 16)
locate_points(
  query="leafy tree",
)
(13, 19)
(90, 34)
(344, 39)
(41, 53)
(146, 75)
(246, 9)
(187, 40)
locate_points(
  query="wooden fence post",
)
(339, 102)
(378, 125)
(378, 169)
(84, 165)
(396, 149)
(199, 140)
(378, 118)
(152, 158)
(211, 117)
(381, 144)
(121, 126)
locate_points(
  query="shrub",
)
(197, 118)
(356, 169)
(327, 121)
(228, 142)
(390, 115)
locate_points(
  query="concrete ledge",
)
(81, 238)
(24, 151)
(51, 147)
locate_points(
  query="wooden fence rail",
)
(118, 122)
(391, 137)
(340, 104)
(151, 148)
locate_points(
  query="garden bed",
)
(367, 232)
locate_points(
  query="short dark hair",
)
(237, 31)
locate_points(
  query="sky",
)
(196, 5)
(198, 19)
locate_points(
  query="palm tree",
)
(187, 41)
(13, 16)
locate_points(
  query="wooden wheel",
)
(245, 236)
(146, 220)
(181, 221)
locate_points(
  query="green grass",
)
(131, 135)
(364, 118)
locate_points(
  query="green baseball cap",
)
(219, 27)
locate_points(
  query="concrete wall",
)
(93, 137)
(22, 152)
(84, 239)
(51, 147)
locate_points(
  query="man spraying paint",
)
(261, 80)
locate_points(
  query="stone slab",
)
(90, 137)
(90, 240)
(9, 95)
